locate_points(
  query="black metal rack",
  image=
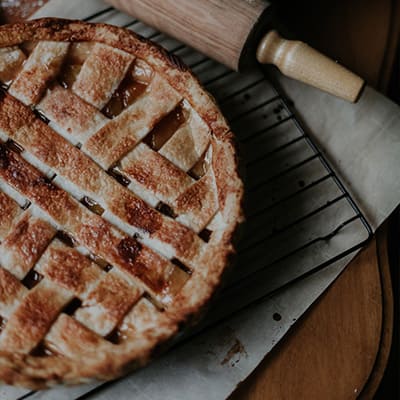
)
(272, 112)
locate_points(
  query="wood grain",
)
(299, 61)
(330, 353)
(218, 28)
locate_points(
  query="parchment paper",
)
(362, 141)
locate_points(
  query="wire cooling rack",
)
(300, 217)
(297, 207)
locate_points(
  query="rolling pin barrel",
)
(218, 28)
(229, 32)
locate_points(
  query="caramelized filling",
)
(101, 262)
(66, 238)
(26, 205)
(8, 75)
(128, 91)
(14, 146)
(176, 280)
(200, 168)
(77, 54)
(27, 47)
(153, 301)
(132, 86)
(181, 266)
(122, 179)
(72, 306)
(69, 74)
(165, 209)
(32, 279)
(116, 336)
(165, 128)
(92, 205)
(41, 351)
(3, 322)
(205, 235)
(41, 116)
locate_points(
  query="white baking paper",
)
(362, 142)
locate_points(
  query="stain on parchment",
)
(237, 351)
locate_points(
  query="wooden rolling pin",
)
(235, 32)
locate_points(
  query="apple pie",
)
(120, 199)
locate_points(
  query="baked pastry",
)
(119, 200)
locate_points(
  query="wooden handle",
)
(220, 29)
(300, 61)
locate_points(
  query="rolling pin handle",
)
(299, 61)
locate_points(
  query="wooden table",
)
(339, 349)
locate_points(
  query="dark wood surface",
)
(339, 349)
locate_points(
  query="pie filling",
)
(165, 128)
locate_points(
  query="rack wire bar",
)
(297, 206)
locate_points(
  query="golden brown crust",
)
(141, 268)
(9, 210)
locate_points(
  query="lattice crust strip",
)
(113, 224)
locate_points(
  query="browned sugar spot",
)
(66, 267)
(129, 249)
(128, 91)
(32, 279)
(165, 128)
(139, 214)
(44, 181)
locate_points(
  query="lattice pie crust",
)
(119, 199)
